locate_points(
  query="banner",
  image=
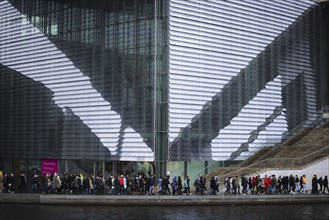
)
(49, 166)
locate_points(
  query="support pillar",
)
(185, 169)
(94, 171)
(66, 166)
(103, 169)
(206, 167)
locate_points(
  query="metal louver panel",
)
(210, 44)
(26, 50)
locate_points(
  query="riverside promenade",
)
(161, 200)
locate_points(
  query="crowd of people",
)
(274, 185)
(74, 183)
(142, 184)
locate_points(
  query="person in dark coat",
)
(179, 185)
(212, 186)
(314, 185)
(292, 183)
(244, 184)
(325, 184)
(202, 185)
(285, 182)
(22, 182)
(217, 184)
(188, 192)
(197, 185)
(166, 184)
(227, 183)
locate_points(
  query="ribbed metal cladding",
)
(229, 64)
(26, 50)
(119, 80)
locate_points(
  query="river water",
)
(257, 212)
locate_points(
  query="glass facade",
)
(242, 75)
(158, 80)
(78, 79)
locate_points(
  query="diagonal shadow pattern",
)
(194, 140)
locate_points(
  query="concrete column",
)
(94, 170)
(185, 169)
(103, 164)
(66, 166)
(206, 167)
(114, 168)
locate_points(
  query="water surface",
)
(277, 212)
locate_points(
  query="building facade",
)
(179, 83)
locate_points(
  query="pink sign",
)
(49, 166)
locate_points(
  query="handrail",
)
(197, 173)
(215, 161)
(287, 135)
(297, 127)
(268, 159)
(316, 121)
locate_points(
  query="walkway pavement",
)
(160, 200)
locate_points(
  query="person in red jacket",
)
(267, 183)
(121, 182)
(254, 185)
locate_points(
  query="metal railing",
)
(200, 171)
(290, 134)
(283, 163)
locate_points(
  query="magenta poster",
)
(49, 166)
